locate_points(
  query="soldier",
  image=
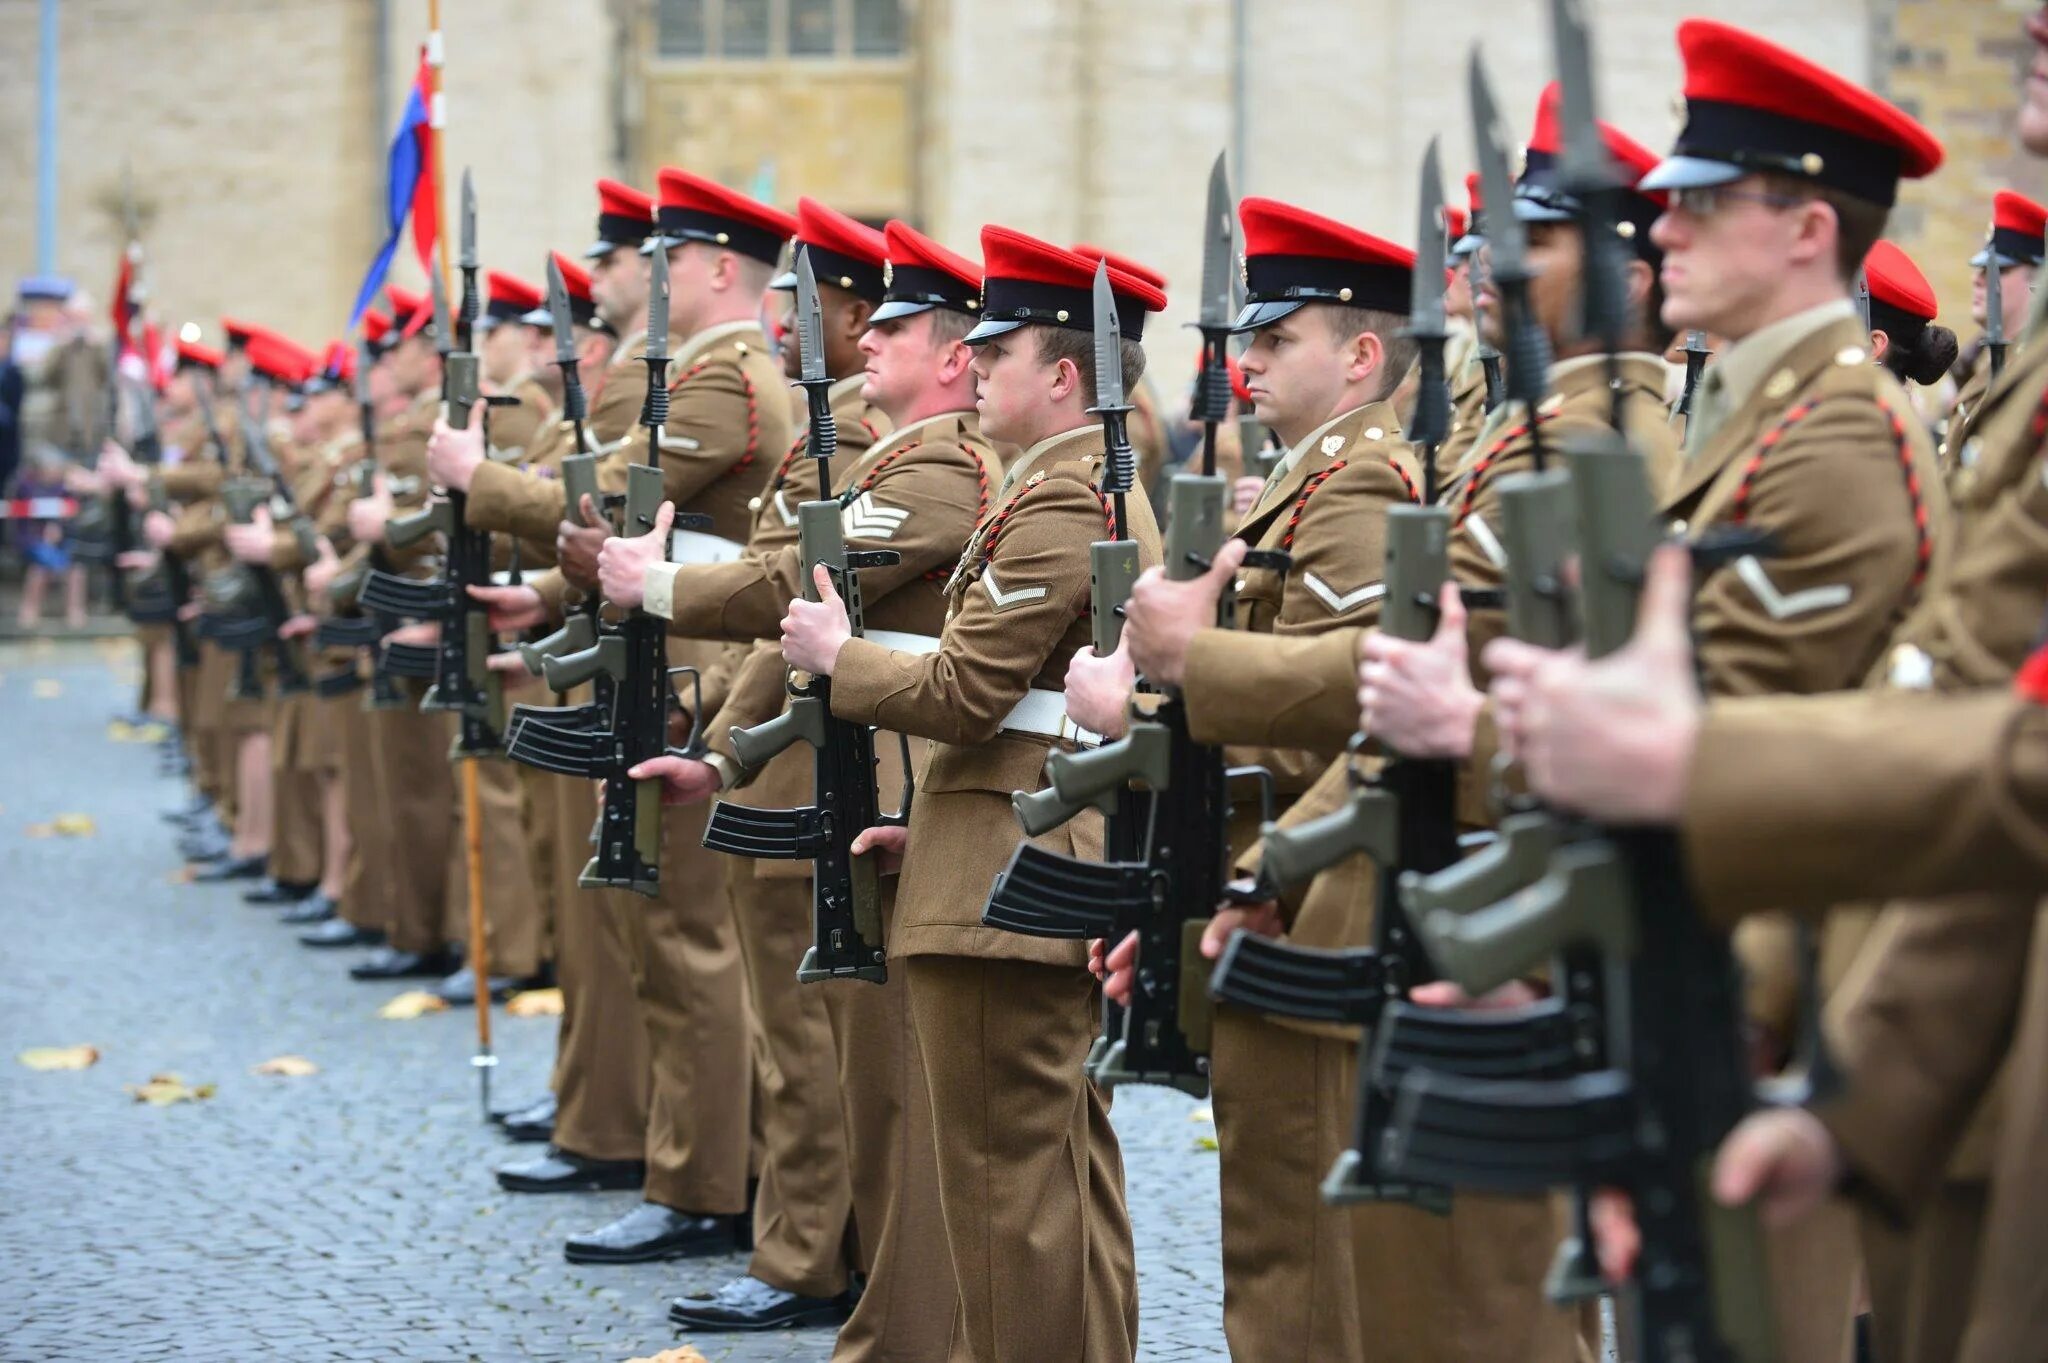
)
(1904, 336)
(2016, 239)
(505, 358)
(918, 492)
(1384, 1277)
(1030, 1175)
(726, 410)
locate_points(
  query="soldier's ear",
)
(1640, 278)
(1880, 342)
(1364, 356)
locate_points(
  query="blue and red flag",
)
(409, 191)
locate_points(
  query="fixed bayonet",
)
(466, 260)
(575, 406)
(1426, 325)
(1994, 307)
(1528, 349)
(823, 436)
(444, 334)
(1219, 249)
(1696, 353)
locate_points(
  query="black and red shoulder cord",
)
(753, 449)
(1484, 464)
(1323, 475)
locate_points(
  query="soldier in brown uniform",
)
(1030, 1175)
(727, 413)
(596, 1118)
(2016, 238)
(918, 492)
(1406, 1284)
(803, 1205)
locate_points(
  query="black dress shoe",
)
(389, 963)
(280, 891)
(339, 932)
(564, 1171)
(201, 847)
(499, 1114)
(197, 808)
(459, 989)
(747, 1303)
(650, 1232)
(314, 908)
(534, 1122)
(233, 868)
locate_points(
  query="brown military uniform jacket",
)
(514, 430)
(1961, 422)
(1017, 613)
(529, 502)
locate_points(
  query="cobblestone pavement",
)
(346, 1215)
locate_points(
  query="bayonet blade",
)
(657, 301)
(1219, 240)
(444, 334)
(1503, 229)
(1426, 299)
(1994, 296)
(810, 319)
(468, 261)
(558, 312)
(1109, 360)
(363, 373)
(1585, 154)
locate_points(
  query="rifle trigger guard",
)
(1269, 560)
(694, 747)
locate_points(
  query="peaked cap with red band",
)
(625, 217)
(238, 332)
(192, 354)
(844, 251)
(2017, 225)
(1124, 263)
(1455, 221)
(582, 308)
(920, 275)
(696, 209)
(279, 360)
(377, 333)
(1902, 302)
(1540, 194)
(411, 313)
(1752, 106)
(1028, 280)
(337, 369)
(1293, 256)
(1474, 234)
(508, 298)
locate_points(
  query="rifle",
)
(242, 496)
(633, 654)
(363, 632)
(1528, 353)
(1994, 307)
(1696, 353)
(1212, 392)
(846, 891)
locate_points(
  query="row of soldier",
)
(917, 1154)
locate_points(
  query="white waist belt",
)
(902, 642)
(1045, 713)
(697, 546)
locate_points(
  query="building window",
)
(773, 30)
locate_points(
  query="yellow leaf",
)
(74, 825)
(59, 1057)
(48, 688)
(682, 1353)
(290, 1066)
(535, 1003)
(1205, 1143)
(164, 1089)
(121, 731)
(411, 1004)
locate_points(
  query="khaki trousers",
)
(1284, 1110)
(1921, 1279)
(1814, 1268)
(367, 890)
(1030, 1173)
(804, 1202)
(601, 1066)
(417, 787)
(512, 924)
(909, 1311)
(692, 993)
(298, 830)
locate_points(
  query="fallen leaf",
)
(164, 1089)
(121, 731)
(1206, 1143)
(535, 1003)
(682, 1353)
(59, 1057)
(1202, 1114)
(290, 1066)
(74, 825)
(48, 688)
(411, 1004)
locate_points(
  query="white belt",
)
(1045, 713)
(901, 641)
(696, 546)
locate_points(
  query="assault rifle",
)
(846, 891)
(633, 655)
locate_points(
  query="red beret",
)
(920, 274)
(1027, 280)
(337, 368)
(1124, 263)
(511, 297)
(1753, 106)
(625, 217)
(2017, 223)
(1454, 222)
(696, 209)
(193, 353)
(280, 360)
(843, 250)
(409, 311)
(1541, 196)
(1293, 256)
(1896, 282)
(377, 331)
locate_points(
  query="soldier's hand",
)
(251, 543)
(418, 632)
(1262, 920)
(1099, 691)
(1444, 994)
(1784, 1155)
(1162, 616)
(319, 574)
(510, 608)
(137, 560)
(1418, 698)
(885, 842)
(453, 452)
(366, 515)
(622, 563)
(684, 780)
(813, 632)
(298, 627)
(577, 546)
(1119, 969)
(507, 661)
(116, 468)
(80, 481)
(1244, 493)
(158, 528)
(1612, 738)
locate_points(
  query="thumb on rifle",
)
(822, 576)
(1663, 612)
(1228, 560)
(476, 415)
(664, 518)
(1450, 620)
(586, 510)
